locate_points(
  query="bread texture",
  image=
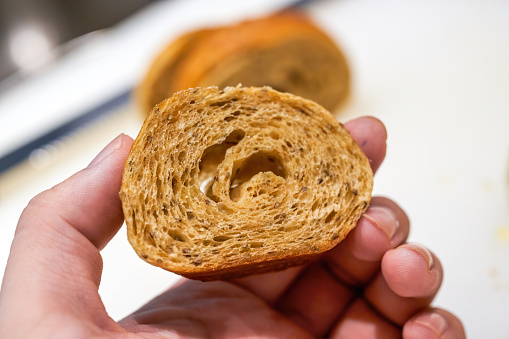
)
(226, 183)
(286, 51)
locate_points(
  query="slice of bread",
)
(286, 51)
(226, 183)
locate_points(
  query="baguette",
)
(226, 183)
(286, 51)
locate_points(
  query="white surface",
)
(436, 72)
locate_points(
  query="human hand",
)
(372, 285)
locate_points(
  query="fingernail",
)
(433, 321)
(110, 148)
(385, 219)
(423, 251)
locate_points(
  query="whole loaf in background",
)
(225, 183)
(286, 51)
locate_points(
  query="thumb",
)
(54, 263)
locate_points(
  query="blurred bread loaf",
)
(286, 51)
(226, 183)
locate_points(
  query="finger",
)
(409, 280)
(434, 323)
(412, 271)
(87, 202)
(321, 294)
(356, 259)
(361, 321)
(371, 136)
(57, 240)
(269, 286)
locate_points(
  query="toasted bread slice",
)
(226, 183)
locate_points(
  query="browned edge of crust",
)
(251, 269)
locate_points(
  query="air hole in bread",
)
(212, 157)
(256, 244)
(330, 216)
(245, 170)
(182, 156)
(232, 116)
(150, 236)
(177, 235)
(221, 238)
(133, 218)
(274, 135)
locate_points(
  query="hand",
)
(372, 285)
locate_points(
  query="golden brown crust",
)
(221, 184)
(286, 51)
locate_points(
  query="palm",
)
(212, 310)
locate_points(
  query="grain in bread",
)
(225, 183)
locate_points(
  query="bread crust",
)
(226, 183)
(158, 80)
(286, 51)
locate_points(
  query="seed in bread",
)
(226, 183)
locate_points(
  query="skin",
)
(372, 285)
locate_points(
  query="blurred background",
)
(31, 30)
(435, 71)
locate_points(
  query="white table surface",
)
(435, 71)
